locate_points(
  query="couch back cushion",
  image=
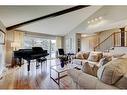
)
(124, 56)
(103, 61)
(113, 71)
(118, 55)
(82, 55)
(95, 56)
(122, 83)
(79, 55)
(86, 55)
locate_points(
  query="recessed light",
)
(88, 21)
(96, 19)
(92, 20)
(100, 17)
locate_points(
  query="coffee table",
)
(60, 70)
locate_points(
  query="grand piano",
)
(30, 54)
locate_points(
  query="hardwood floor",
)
(20, 78)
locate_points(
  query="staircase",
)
(116, 39)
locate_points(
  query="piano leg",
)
(28, 66)
(20, 62)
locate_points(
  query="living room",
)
(91, 38)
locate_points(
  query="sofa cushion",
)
(124, 56)
(111, 72)
(90, 62)
(95, 56)
(77, 61)
(74, 74)
(86, 81)
(122, 83)
(107, 54)
(118, 55)
(82, 55)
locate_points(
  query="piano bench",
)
(41, 60)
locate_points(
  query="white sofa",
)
(112, 75)
(83, 56)
(86, 81)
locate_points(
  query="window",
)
(46, 44)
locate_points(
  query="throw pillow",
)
(79, 55)
(89, 69)
(95, 56)
(111, 72)
(94, 70)
(86, 68)
(86, 55)
(103, 61)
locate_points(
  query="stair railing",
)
(109, 42)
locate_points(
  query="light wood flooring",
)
(37, 78)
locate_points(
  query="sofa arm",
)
(87, 81)
(82, 79)
(74, 74)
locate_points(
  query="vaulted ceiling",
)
(60, 25)
(76, 21)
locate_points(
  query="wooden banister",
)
(113, 34)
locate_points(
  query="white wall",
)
(119, 50)
(58, 42)
(110, 41)
(88, 43)
(70, 42)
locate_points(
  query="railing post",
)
(114, 40)
(122, 36)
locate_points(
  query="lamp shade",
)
(15, 44)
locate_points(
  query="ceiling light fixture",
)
(95, 20)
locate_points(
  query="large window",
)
(46, 44)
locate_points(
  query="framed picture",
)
(2, 37)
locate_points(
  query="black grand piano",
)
(30, 54)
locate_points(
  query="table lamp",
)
(15, 45)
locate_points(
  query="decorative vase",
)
(62, 63)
